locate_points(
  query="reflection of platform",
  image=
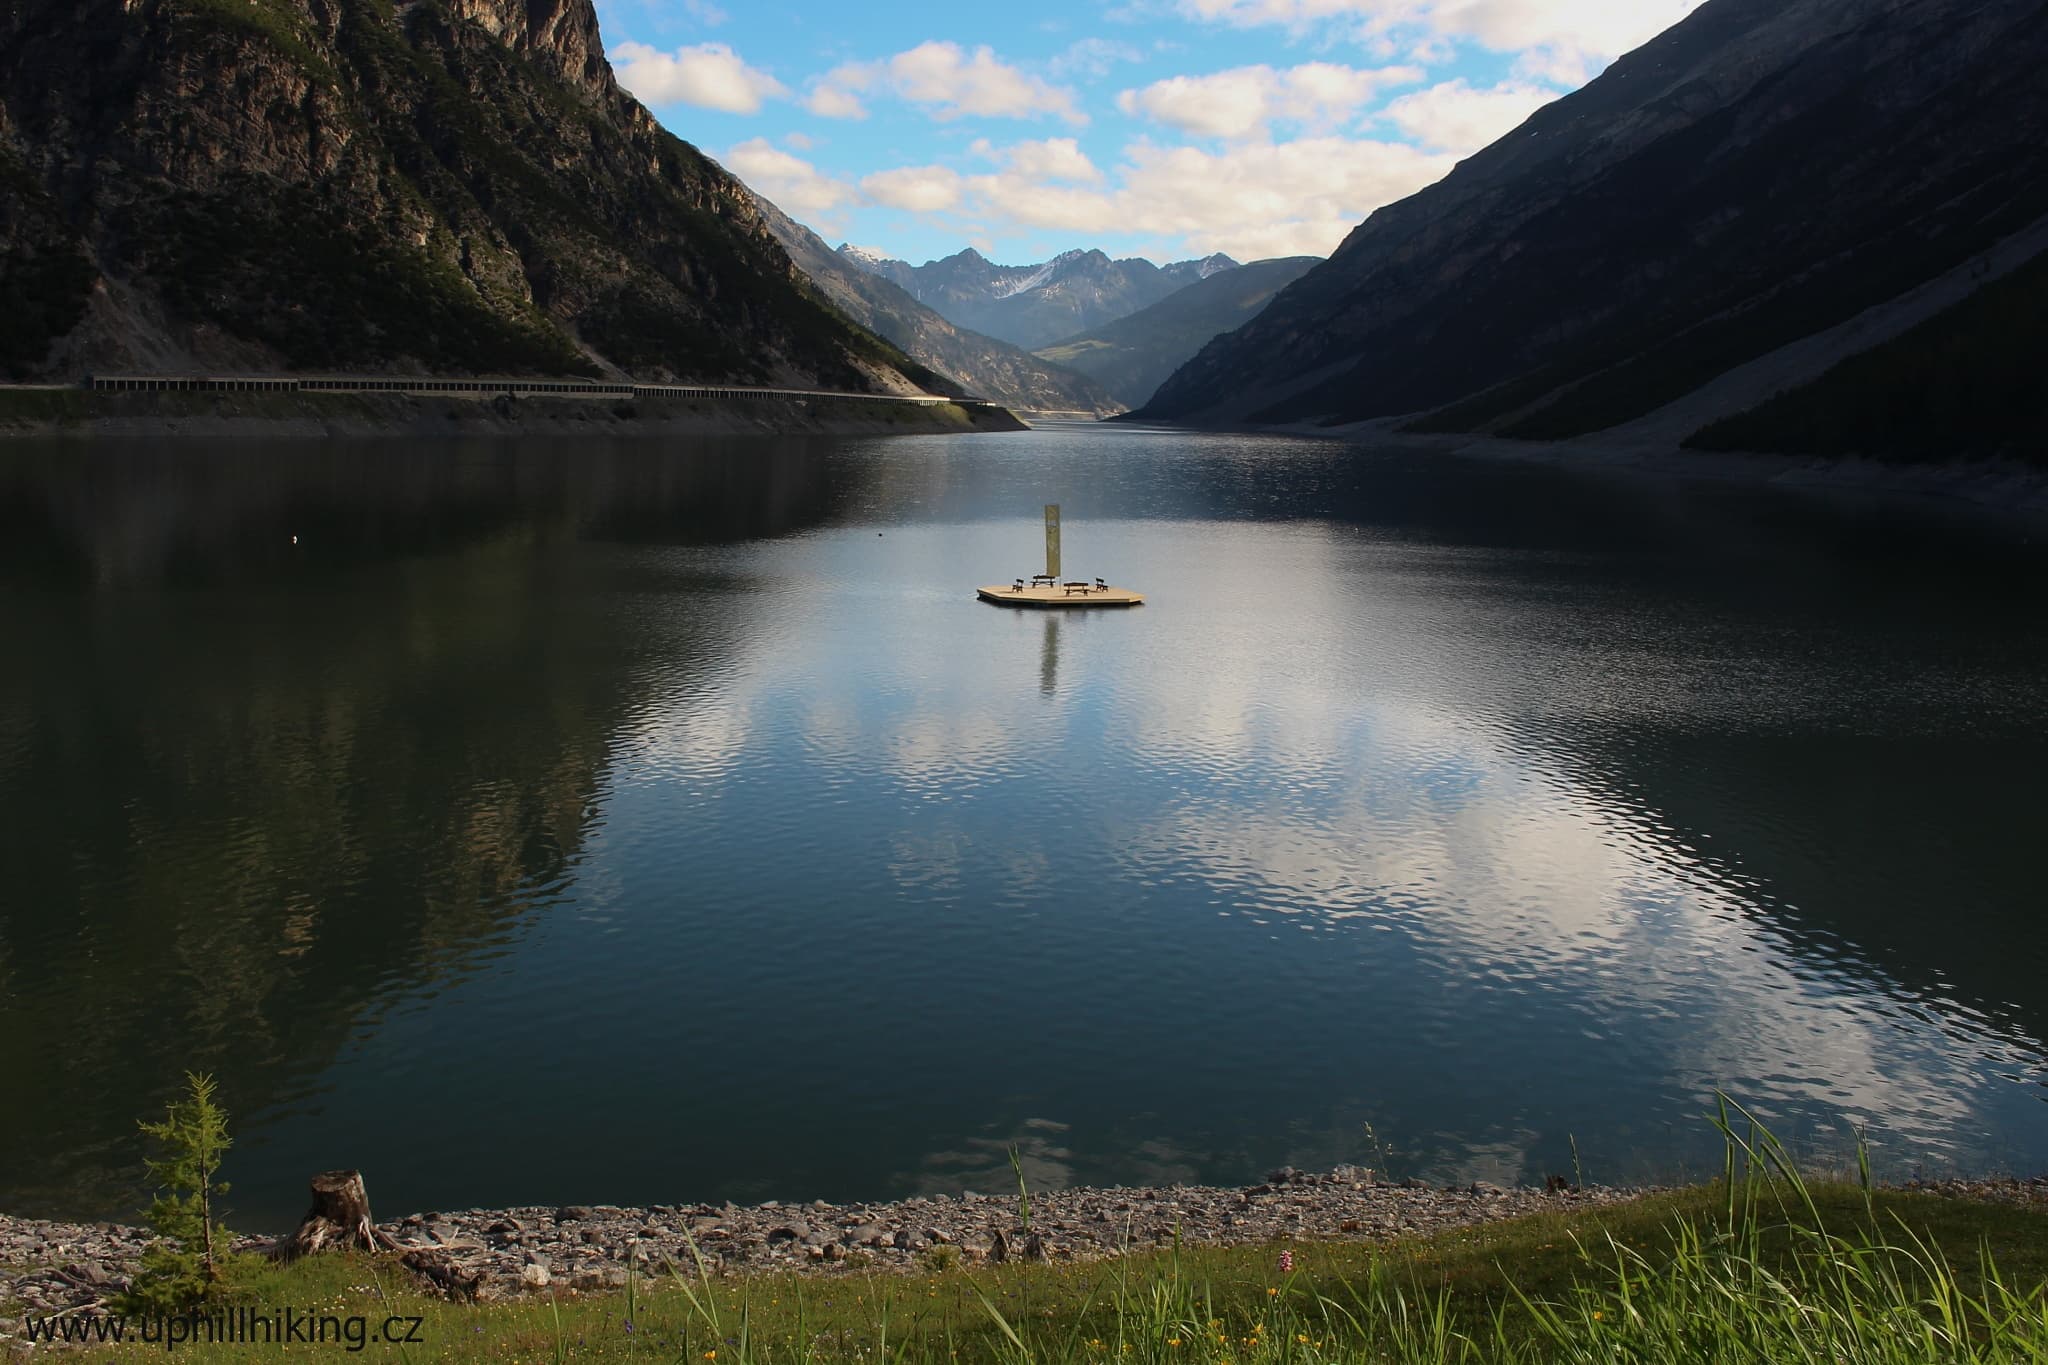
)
(1038, 595)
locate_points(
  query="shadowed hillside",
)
(456, 186)
(1758, 174)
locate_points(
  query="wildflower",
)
(1301, 1337)
(711, 1355)
(1597, 1315)
(1173, 1341)
(1270, 1291)
(1286, 1263)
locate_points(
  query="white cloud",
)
(1558, 66)
(789, 182)
(705, 13)
(1251, 200)
(946, 80)
(801, 142)
(1458, 118)
(917, 189)
(711, 76)
(835, 101)
(1057, 158)
(1019, 201)
(1245, 101)
(1093, 57)
(1570, 30)
(1255, 200)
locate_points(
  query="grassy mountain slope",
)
(446, 185)
(1133, 355)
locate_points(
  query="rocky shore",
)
(2015, 489)
(53, 1267)
(48, 1267)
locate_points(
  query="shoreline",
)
(85, 414)
(2005, 485)
(52, 1267)
(2008, 486)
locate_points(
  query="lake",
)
(642, 822)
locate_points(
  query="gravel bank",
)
(47, 1267)
(53, 1266)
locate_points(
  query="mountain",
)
(1757, 195)
(1034, 305)
(1134, 354)
(981, 365)
(456, 186)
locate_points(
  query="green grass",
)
(65, 407)
(1763, 1268)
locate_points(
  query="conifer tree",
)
(184, 1265)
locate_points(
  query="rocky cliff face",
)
(446, 185)
(980, 365)
(1761, 172)
(1035, 305)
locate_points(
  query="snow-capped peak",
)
(1031, 281)
(863, 255)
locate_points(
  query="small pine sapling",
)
(184, 1265)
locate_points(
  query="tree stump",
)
(340, 1217)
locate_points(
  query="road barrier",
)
(488, 388)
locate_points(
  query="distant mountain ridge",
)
(1033, 305)
(453, 186)
(1133, 355)
(981, 365)
(1764, 172)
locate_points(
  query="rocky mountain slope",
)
(1035, 305)
(1966, 380)
(981, 365)
(1762, 172)
(445, 185)
(1133, 355)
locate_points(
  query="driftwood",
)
(340, 1220)
(435, 1271)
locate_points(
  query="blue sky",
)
(1158, 128)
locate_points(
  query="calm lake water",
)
(655, 822)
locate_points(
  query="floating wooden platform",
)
(1058, 595)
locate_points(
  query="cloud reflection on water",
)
(1388, 755)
